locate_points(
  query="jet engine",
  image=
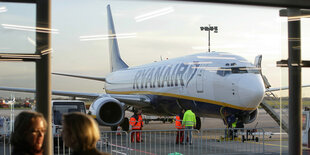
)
(108, 111)
(250, 117)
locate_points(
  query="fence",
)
(164, 142)
(232, 141)
(114, 142)
(206, 141)
(5, 148)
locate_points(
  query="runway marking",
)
(130, 149)
(268, 144)
(118, 152)
(144, 152)
(122, 147)
(303, 148)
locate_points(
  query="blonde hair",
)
(22, 124)
(83, 129)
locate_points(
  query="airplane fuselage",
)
(206, 82)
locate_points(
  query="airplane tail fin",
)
(115, 59)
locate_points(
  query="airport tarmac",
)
(272, 144)
(263, 121)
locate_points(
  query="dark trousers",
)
(138, 135)
(180, 136)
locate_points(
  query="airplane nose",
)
(251, 91)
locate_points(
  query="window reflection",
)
(224, 71)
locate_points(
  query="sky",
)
(244, 30)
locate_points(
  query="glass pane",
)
(305, 46)
(17, 28)
(20, 75)
(173, 32)
(158, 31)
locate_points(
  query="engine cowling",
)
(108, 111)
(251, 117)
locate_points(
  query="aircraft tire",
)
(256, 139)
(243, 138)
(198, 123)
(125, 124)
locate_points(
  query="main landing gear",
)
(198, 123)
(124, 125)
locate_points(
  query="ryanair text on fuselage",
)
(173, 75)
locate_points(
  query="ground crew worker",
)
(231, 120)
(234, 125)
(178, 125)
(231, 123)
(189, 121)
(136, 123)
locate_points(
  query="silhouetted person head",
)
(187, 108)
(137, 111)
(80, 132)
(181, 113)
(29, 132)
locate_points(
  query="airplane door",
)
(200, 81)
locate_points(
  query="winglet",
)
(258, 64)
(258, 61)
(115, 59)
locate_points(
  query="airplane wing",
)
(282, 88)
(133, 100)
(81, 76)
(62, 93)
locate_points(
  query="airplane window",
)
(244, 70)
(220, 72)
(253, 70)
(236, 70)
(224, 71)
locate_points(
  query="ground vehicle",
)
(3, 104)
(164, 119)
(60, 107)
(5, 128)
(305, 125)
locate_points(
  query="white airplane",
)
(215, 84)
(12, 101)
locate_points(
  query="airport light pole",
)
(209, 28)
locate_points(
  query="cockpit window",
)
(223, 71)
(254, 70)
(238, 70)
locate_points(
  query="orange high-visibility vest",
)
(178, 122)
(136, 124)
(140, 121)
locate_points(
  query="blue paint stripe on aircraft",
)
(181, 97)
(202, 109)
